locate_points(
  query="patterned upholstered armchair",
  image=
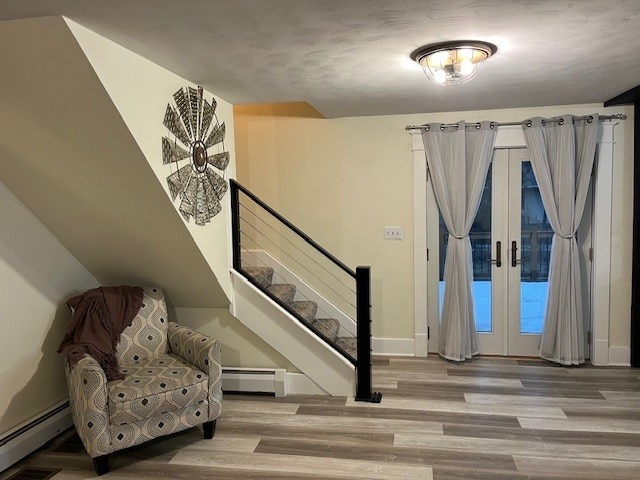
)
(173, 382)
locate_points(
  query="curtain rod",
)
(617, 116)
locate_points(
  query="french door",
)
(511, 247)
(510, 316)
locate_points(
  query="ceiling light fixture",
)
(452, 63)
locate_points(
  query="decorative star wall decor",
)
(196, 131)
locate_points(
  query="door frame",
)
(426, 306)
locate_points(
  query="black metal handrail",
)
(362, 276)
(236, 186)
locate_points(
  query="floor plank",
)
(299, 464)
(463, 407)
(561, 402)
(332, 423)
(387, 374)
(404, 455)
(582, 425)
(601, 411)
(261, 407)
(550, 436)
(518, 447)
(393, 413)
(587, 469)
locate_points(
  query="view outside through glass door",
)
(534, 250)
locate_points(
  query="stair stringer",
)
(282, 331)
(260, 258)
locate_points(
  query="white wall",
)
(342, 180)
(140, 90)
(37, 276)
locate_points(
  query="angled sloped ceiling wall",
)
(140, 90)
(66, 153)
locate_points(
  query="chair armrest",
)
(88, 397)
(193, 346)
(203, 352)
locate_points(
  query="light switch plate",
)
(393, 233)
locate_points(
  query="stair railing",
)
(255, 224)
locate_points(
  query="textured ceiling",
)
(351, 57)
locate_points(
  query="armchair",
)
(172, 382)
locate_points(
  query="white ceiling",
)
(351, 57)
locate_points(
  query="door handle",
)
(498, 260)
(514, 253)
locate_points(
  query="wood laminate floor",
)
(485, 419)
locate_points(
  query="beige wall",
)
(342, 180)
(240, 346)
(37, 276)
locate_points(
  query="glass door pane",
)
(535, 254)
(480, 237)
(529, 248)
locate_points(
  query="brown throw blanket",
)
(100, 315)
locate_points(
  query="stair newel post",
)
(363, 340)
(235, 224)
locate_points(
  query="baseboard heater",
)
(255, 380)
(27, 437)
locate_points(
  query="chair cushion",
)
(155, 386)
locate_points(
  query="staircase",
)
(308, 305)
(305, 310)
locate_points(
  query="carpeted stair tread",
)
(262, 275)
(327, 326)
(306, 309)
(284, 291)
(348, 344)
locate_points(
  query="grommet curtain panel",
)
(562, 152)
(458, 159)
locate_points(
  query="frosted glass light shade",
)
(452, 63)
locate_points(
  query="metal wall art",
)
(196, 132)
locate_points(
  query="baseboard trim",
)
(619, 356)
(394, 346)
(32, 434)
(254, 380)
(276, 381)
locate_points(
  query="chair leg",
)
(101, 464)
(209, 429)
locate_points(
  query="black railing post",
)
(235, 224)
(363, 339)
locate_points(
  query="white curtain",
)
(562, 153)
(458, 158)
